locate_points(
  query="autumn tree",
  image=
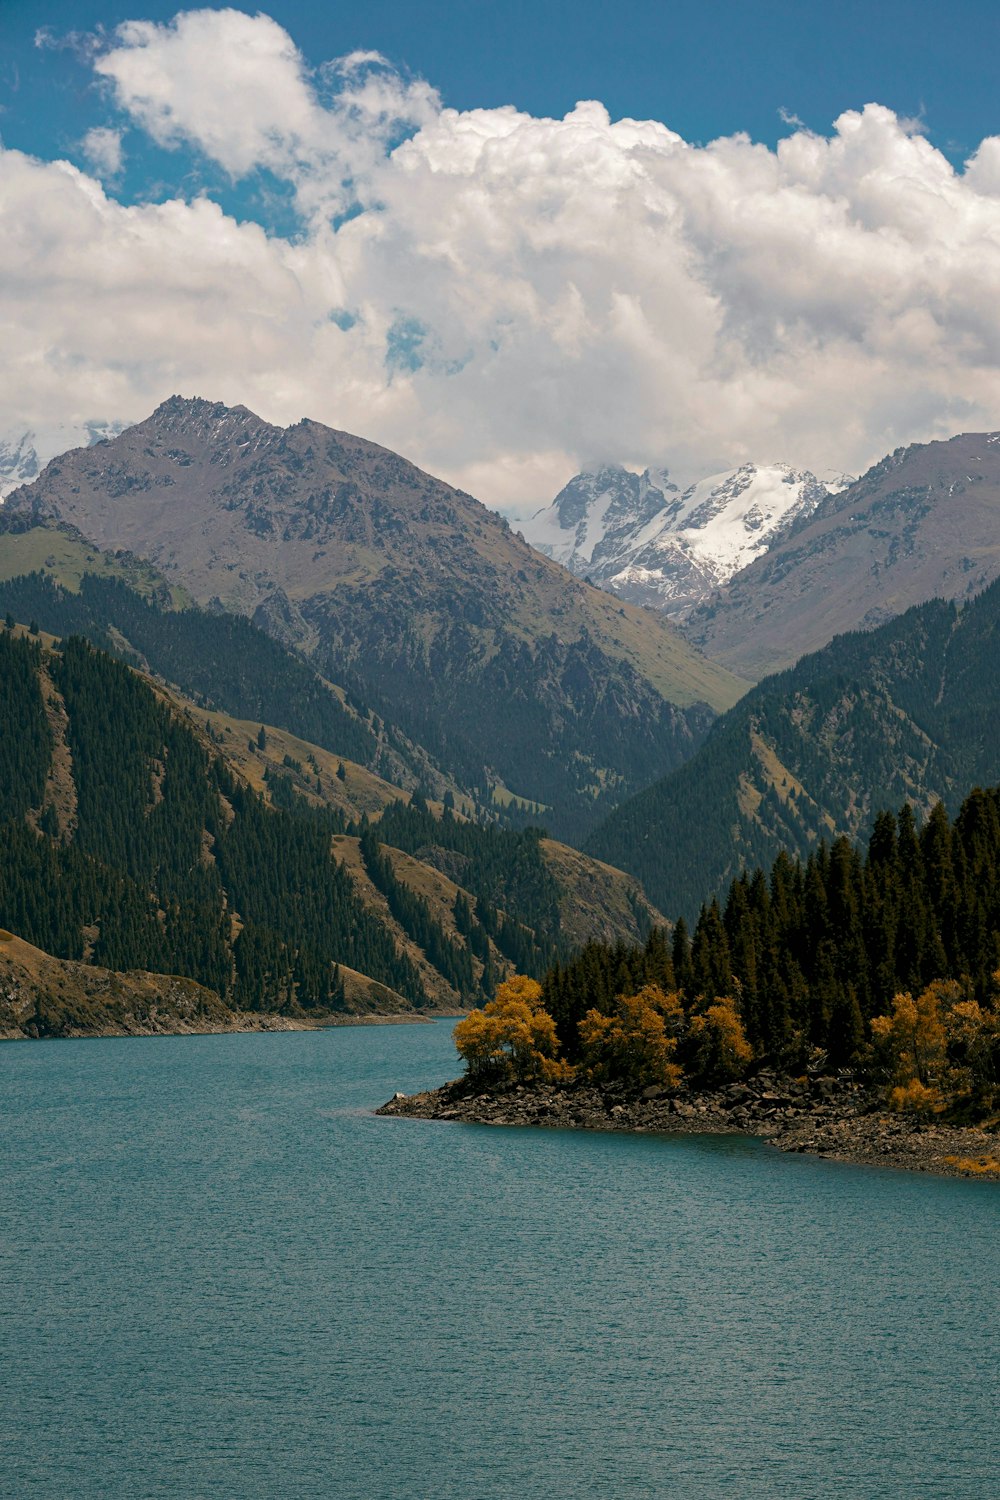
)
(636, 1042)
(512, 1039)
(972, 1029)
(912, 1043)
(719, 1050)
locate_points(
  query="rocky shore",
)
(822, 1114)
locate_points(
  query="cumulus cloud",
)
(501, 297)
(102, 147)
(236, 87)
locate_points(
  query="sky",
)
(508, 240)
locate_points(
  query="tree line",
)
(885, 959)
(154, 855)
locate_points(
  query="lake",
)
(220, 1275)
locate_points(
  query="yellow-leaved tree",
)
(913, 1044)
(720, 1051)
(973, 1032)
(636, 1042)
(512, 1039)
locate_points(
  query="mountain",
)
(221, 661)
(513, 674)
(594, 515)
(639, 537)
(902, 713)
(144, 833)
(922, 524)
(24, 454)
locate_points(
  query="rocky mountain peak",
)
(923, 522)
(640, 537)
(581, 527)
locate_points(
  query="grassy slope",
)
(65, 557)
(42, 995)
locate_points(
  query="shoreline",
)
(822, 1116)
(242, 1022)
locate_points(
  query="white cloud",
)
(103, 149)
(514, 296)
(236, 87)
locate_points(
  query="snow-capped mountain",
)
(23, 456)
(639, 536)
(590, 521)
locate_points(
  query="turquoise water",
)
(221, 1276)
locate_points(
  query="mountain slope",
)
(906, 712)
(503, 666)
(924, 523)
(639, 537)
(222, 661)
(142, 833)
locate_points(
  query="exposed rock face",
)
(592, 519)
(520, 673)
(922, 524)
(824, 1115)
(639, 537)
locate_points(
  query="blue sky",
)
(705, 70)
(437, 250)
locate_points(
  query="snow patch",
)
(24, 455)
(640, 537)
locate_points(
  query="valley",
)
(397, 707)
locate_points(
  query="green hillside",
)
(139, 835)
(904, 712)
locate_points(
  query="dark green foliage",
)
(220, 659)
(413, 914)
(813, 950)
(904, 712)
(517, 898)
(169, 863)
(25, 742)
(283, 880)
(598, 973)
(166, 849)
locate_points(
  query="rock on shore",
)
(824, 1115)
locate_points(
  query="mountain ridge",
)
(641, 538)
(497, 660)
(903, 712)
(142, 832)
(922, 523)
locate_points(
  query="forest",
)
(131, 843)
(885, 959)
(145, 856)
